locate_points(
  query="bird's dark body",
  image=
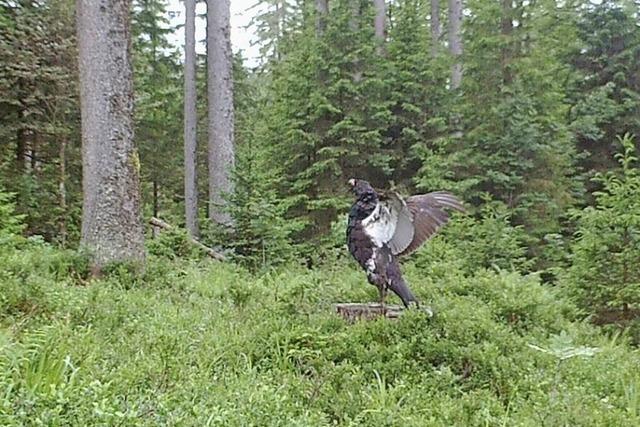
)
(381, 266)
(360, 245)
(383, 227)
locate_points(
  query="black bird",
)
(383, 227)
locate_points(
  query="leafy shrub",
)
(26, 275)
(261, 235)
(198, 343)
(10, 223)
(173, 244)
(192, 342)
(605, 270)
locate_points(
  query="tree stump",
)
(357, 311)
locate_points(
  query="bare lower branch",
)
(157, 222)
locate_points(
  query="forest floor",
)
(198, 343)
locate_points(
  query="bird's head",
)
(361, 188)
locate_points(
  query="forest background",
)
(529, 111)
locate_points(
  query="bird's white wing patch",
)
(381, 224)
(404, 231)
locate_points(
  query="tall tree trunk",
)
(62, 192)
(380, 26)
(28, 159)
(24, 146)
(506, 29)
(322, 10)
(220, 93)
(21, 134)
(156, 197)
(280, 26)
(435, 27)
(111, 220)
(21, 149)
(190, 120)
(34, 152)
(455, 41)
(354, 25)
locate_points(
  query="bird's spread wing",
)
(405, 225)
(428, 216)
(403, 232)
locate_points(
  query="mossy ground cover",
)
(203, 343)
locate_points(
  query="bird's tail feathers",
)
(398, 285)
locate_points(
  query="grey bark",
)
(380, 27)
(190, 119)
(25, 141)
(354, 24)
(506, 29)
(455, 41)
(112, 228)
(322, 10)
(21, 144)
(353, 311)
(62, 192)
(34, 152)
(435, 27)
(280, 27)
(22, 134)
(221, 116)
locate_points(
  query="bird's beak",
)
(352, 182)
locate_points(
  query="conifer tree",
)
(455, 41)
(40, 114)
(111, 221)
(607, 97)
(380, 24)
(221, 113)
(434, 21)
(321, 124)
(516, 144)
(190, 120)
(276, 19)
(157, 95)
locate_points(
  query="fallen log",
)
(157, 222)
(356, 311)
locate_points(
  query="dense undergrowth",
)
(193, 342)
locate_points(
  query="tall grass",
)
(201, 343)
